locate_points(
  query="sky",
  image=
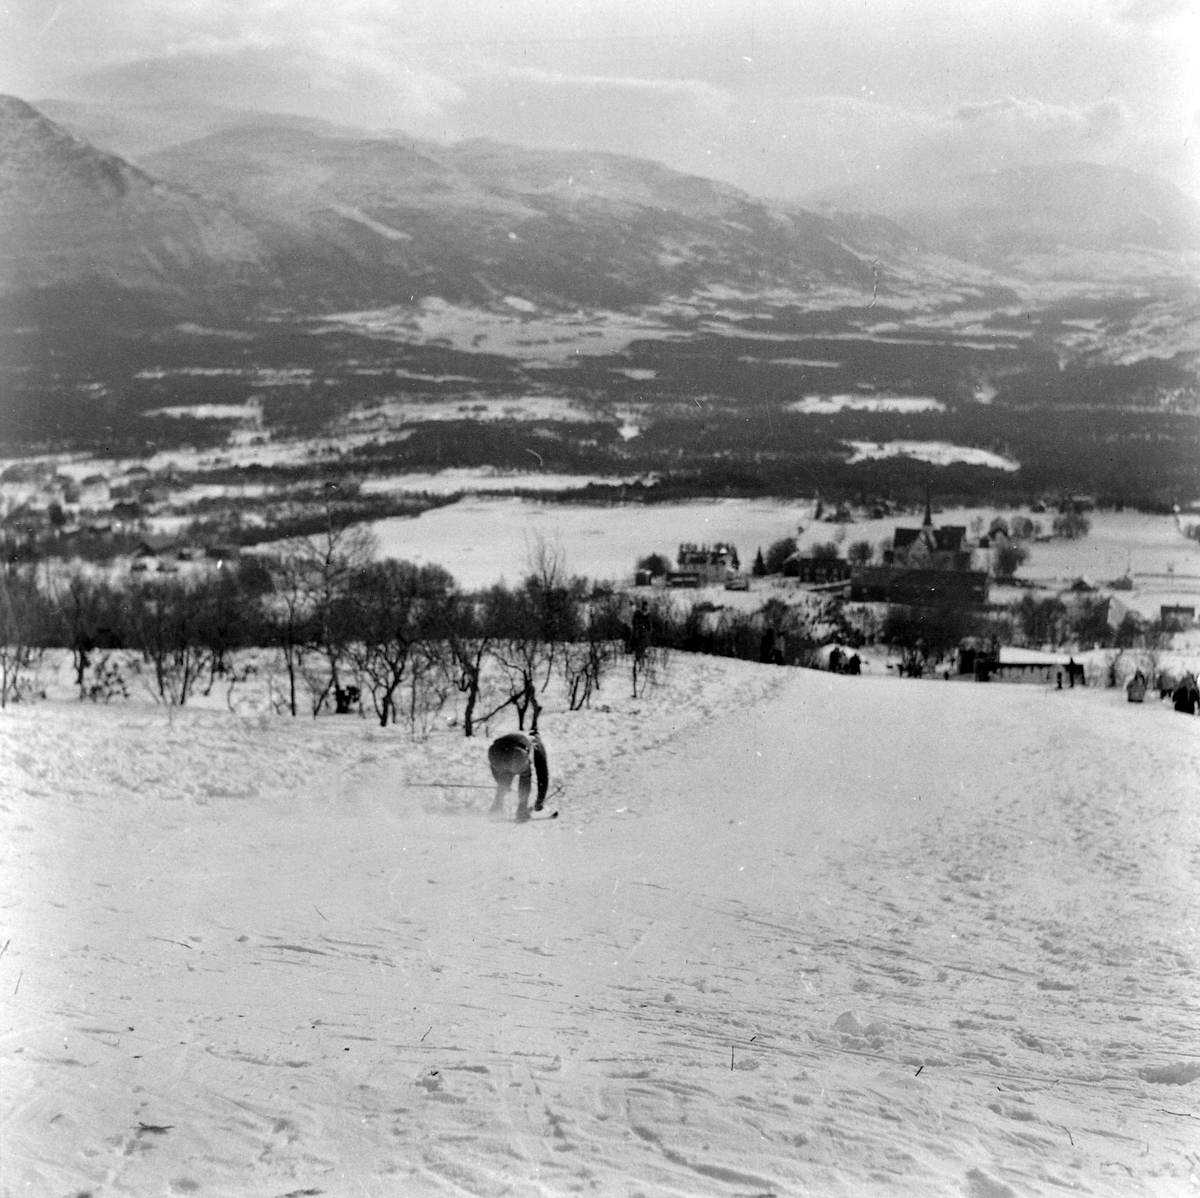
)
(780, 97)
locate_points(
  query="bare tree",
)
(327, 563)
(394, 611)
(585, 660)
(520, 652)
(471, 629)
(88, 620)
(162, 626)
(22, 633)
(289, 616)
(553, 601)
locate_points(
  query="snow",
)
(1013, 655)
(825, 405)
(484, 478)
(480, 541)
(1118, 541)
(393, 411)
(818, 363)
(211, 411)
(521, 331)
(939, 453)
(792, 933)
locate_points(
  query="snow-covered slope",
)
(791, 934)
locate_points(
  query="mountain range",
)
(1038, 210)
(284, 213)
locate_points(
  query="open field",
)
(479, 540)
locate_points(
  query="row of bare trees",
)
(348, 633)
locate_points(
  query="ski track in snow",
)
(791, 934)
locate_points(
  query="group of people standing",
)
(1183, 693)
(842, 663)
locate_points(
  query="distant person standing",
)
(1185, 697)
(519, 755)
(766, 647)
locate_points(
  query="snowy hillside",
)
(792, 933)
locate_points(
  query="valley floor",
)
(792, 933)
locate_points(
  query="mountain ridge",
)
(83, 225)
(1000, 216)
(270, 213)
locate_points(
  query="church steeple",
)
(928, 521)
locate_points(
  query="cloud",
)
(776, 97)
(1026, 117)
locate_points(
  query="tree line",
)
(345, 631)
(335, 629)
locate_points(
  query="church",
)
(924, 566)
(929, 548)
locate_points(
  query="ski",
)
(539, 815)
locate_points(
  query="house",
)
(701, 565)
(1010, 663)
(1177, 615)
(154, 546)
(917, 588)
(817, 569)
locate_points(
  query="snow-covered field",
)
(479, 540)
(792, 933)
(519, 330)
(938, 453)
(484, 478)
(824, 405)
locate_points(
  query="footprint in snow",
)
(1178, 1074)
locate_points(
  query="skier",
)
(518, 755)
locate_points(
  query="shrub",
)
(1071, 525)
(778, 554)
(655, 564)
(1007, 559)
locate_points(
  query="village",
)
(988, 623)
(948, 600)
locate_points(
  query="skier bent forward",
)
(518, 755)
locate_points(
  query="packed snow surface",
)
(791, 934)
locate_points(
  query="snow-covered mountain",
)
(84, 229)
(321, 218)
(277, 211)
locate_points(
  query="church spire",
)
(928, 522)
